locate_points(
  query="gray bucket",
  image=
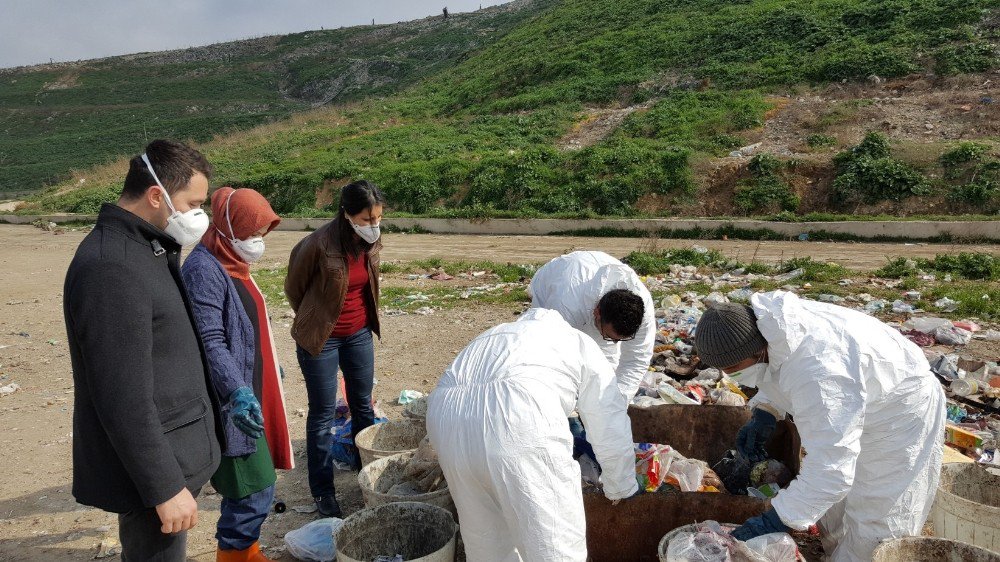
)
(390, 438)
(931, 549)
(378, 477)
(418, 531)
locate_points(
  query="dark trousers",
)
(241, 520)
(580, 444)
(355, 355)
(142, 541)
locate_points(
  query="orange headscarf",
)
(249, 212)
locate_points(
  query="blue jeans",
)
(240, 521)
(355, 355)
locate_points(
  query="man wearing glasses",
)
(605, 299)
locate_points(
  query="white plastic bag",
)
(952, 335)
(313, 542)
(697, 547)
(688, 473)
(775, 547)
(926, 324)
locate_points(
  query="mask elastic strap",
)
(229, 222)
(156, 178)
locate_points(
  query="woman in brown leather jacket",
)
(332, 286)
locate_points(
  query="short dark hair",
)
(623, 310)
(174, 162)
(354, 198)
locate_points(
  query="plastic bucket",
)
(661, 550)
(389, 438)
(419, 531)
(930, 549)
(378, 477)
(967, 506)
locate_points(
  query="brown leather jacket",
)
(316, 286)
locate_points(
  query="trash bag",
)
(734, 471)
(652, 463)
(688, 474)
(313, 542)
(697, 547)
(952, 335)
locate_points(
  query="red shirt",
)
(354, 314)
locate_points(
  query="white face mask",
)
(367, 233)
(751, 376)
(185, 228)
(249, 250)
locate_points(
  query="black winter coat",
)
(146, 419)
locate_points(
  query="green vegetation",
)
(868, 174)
(819, 140)
(765, 189)
(974, 176)
(968, 265)
(477, 131)
(65, 117)
(652, 263)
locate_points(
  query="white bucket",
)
(378, 477)
(418, 531)
(967, 506)
(390, 438)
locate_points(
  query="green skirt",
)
(238, 477)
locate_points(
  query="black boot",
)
(328, 506)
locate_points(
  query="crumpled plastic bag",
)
(775, 547)
(313, 542)
(652, 464)
(711, 542)
(952, 335)
(688, 474)
(724, 397)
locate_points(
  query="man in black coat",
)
(146, 430)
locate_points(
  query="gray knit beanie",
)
(727, 334)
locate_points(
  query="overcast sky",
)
(34, 31)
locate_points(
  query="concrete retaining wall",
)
(919, 230)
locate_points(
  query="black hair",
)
(175, 163)
(354, 198)
(623, 310)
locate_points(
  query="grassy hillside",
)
(63, 117)
(624, 107)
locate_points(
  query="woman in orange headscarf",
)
(231, 315)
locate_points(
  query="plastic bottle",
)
(965, 387)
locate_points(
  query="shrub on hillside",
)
(765, 190)
(868, 174)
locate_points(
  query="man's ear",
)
(154, 197)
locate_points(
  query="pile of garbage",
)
(710, 541)
(762, 480)
(657, 465)
(422, 474)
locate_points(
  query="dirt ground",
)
(39, 520)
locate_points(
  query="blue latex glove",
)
(245, 412)
(761, 525)
(753, 437)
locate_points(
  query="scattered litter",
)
(901, 307)
(407, 396)
(946, 305)
(9, 389)
(109, 547)
(793, 274)
(836, 299)
(424, 311)
(952, 335)
(305, 509)
(442, 277)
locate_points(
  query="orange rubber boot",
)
(252, 554)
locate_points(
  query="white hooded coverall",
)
(498, 422)
(573, 283)
(871, 417)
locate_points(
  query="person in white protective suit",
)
(866, 405)
(599, 296)
(497, 420)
